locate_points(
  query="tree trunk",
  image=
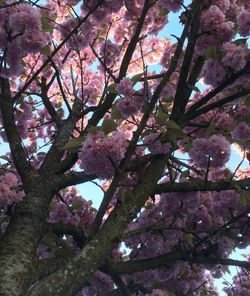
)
(18, 259)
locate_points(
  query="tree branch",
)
(218, 89)
(73, 178)
(51, 110)
(200, 185)
(76, 232)
(183, 89)
(220, 103)
(17, 150)
(168, 259)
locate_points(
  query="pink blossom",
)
(125, 87)
(128, 107)
(241, 132)
(212, 18)
(154, 144)
(101, 154)
(171, 5)
(110, 52)
(222, 4)
(9, 191)
(214, 151)
(214, 73)
(243, 21)
(21, 25)
(234, 56)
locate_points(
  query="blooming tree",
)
(90, 92)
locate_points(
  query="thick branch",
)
(50, 108)
(133, 42)
(200, 185)
(218, 89)
(73, 178)
(53, 157)
(220, 103)
(47, 267)
(183, 89)
(18, 258)
(15, 142)
(168, 259)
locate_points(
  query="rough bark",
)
(18, 258)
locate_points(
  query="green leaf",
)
(244, 198)
(136, 78)
(74, 144)
(211, 53)
(158, 285)
(101, 39)
(172, 125)
(145, 108)
(4, 157)
(225, 283)
(189, 239)
(112, 88)
(149, 206)
(247, 144)
(189, 144)
(247, 101)
(174, 131)
(46, 50)
(115, 113)
(171, 137)
(94, 129)
(228, 271)
(171, 294)
(46, 26)
(211, 129)
(185, 174)
(76, 205)
(102, 31)
(161, 117)
(59, 105)
(163, 11)
(50, 240)
(241, 41)
(237, 187)
(108, 126)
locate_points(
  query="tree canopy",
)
(93, 92)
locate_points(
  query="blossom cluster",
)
(166, 222)
(130, 103)
(217, 28)
(101, 154)
(213, 152)
(9, 190)
(20, 34)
